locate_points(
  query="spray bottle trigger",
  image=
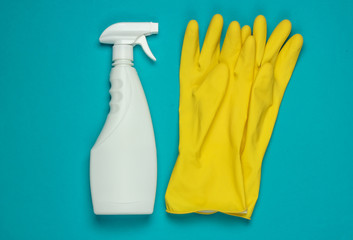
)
(143, 43)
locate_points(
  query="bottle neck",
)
(123, 62)
(123, 52)
(123, 55)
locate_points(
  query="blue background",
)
(54, 82)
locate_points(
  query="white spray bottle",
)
(123, 165)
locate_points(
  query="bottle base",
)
(129, 208)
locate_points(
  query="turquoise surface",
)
(54, 82)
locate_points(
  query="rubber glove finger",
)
(262, 92)
(244, 68)
(245, 33)
(260, 35)
(211, 46)
(231, 45)
(276, 40)
(260, 100)
(191, 47)
(285, 63)
(241, 89)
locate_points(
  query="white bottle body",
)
(123, 164)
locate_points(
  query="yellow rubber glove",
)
(276, 64)
(214, 96)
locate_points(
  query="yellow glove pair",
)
(229, 100)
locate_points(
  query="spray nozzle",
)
(125, 36)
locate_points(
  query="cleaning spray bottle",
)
(123, 164)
